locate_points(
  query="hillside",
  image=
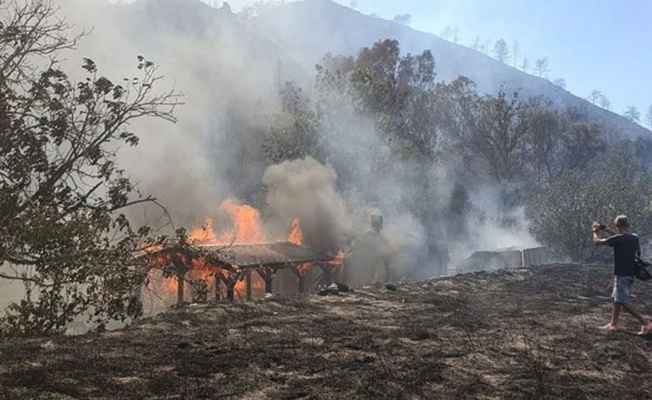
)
(308, 29)
(509, 334)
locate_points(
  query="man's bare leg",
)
(632, 310)
(615, 313)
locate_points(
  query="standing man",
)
(626, 248)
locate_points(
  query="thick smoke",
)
(231, 74)
(305, 189)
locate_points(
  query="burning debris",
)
(241, 260)
(305, 242)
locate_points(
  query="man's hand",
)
(610, 283)
(596, 227)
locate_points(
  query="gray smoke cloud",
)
(229, 74)
(305, 189)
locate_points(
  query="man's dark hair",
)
(622, 221)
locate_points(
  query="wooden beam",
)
(268, 276)
(302, 284)
(180, 287)
(218, 286)
(248, 282)
(180, 272)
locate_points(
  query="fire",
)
(246, 227)
(296, 236)
(151, 248)
(338, 261)
(203, 234)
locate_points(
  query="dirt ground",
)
(524, 334)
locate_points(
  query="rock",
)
(391, 287)
(343, 288)
(334, 289)
(48, 346)
(329, 291)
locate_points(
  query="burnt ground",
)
(509, 334)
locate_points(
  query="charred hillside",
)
(508, 334)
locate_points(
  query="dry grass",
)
(526, 334)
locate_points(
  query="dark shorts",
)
(622, 286)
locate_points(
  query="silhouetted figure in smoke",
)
(369, 259)
(626, 248)
(437, 254)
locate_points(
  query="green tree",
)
(516, 52)
(403, 19)
(396, 93)
(598, 98)
(496, 133)
(451, 33)
(392, 96)
(476, 43)
(632, 114)
(542, 67)
(561, 82)
(544, 133)
(63, 232)
(560, 141)
(561, 212)
(501, 51)
(293, 131)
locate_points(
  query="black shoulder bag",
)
(643, 269)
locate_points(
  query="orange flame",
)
(246, 229)
(246, 224)
(296, 235)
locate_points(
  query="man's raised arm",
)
(596, 234)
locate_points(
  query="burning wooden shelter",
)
(232, 264)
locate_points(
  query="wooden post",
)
(268, 285)
(300, 277)
(218, 286)
(302, 284)
(180, 272)
(248, 281)
(230, 292)
(328, 273)
(180, 287)
(230, 288)
(267, 275)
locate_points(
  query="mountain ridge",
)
(308, 29)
